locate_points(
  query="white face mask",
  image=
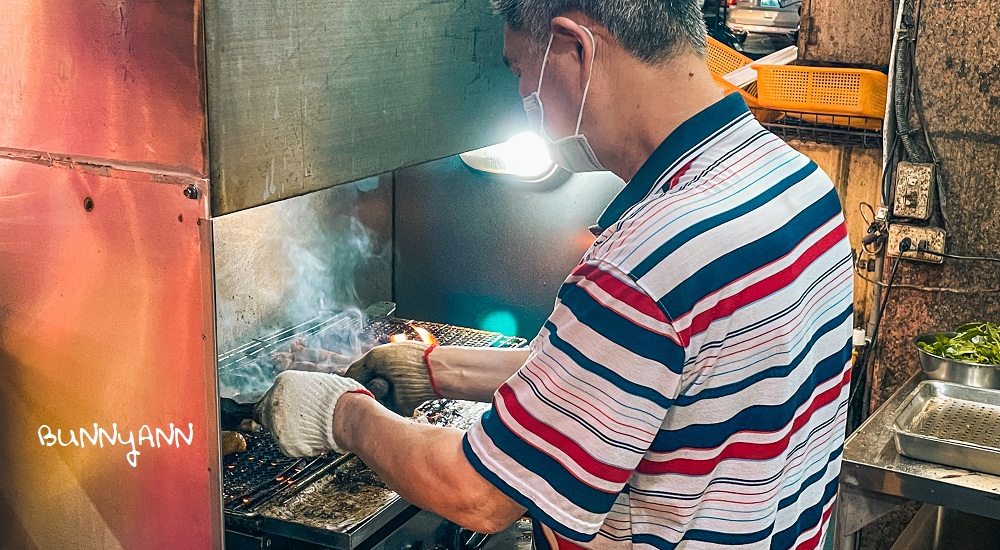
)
(573, 153)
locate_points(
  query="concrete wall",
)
(957, 66)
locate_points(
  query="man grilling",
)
(689, 389)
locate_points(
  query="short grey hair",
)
(651, 30)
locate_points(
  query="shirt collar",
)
(686, 137)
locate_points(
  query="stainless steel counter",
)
(875, 478)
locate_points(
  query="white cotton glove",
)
(414, 372)
(298, 411)
(397, 374)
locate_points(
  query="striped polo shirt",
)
(690, 388)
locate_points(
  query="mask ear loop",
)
(545, 61)
(586, 89)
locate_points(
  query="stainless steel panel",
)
(289, 261)
(475, 250)
(104, 324)
(306, 94)
(109, 80)
(951, 424)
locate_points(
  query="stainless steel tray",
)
(951, 424)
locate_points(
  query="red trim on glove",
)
(427, 364)
(363, 392)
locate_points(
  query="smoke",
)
(289, 263)
(331, 345)
(324, 263)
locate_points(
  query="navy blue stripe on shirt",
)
(685, 236)
(602, 371)
(542, 396)
(808, 519)
(702, 535)
(752, 256)
(580, 494)
(815, 478)
(834, 270)
(620, 330)
(759, 418)
(762, 134)
(517, 497)
(778, 371)
(708, 124)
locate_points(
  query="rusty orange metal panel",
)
(113, 80)
(108, 414)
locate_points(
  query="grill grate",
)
(246, 472)
(380, 330)
(321, 330)
(261, 473)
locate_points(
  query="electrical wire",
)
(910, 286)
(877, 230)
(871, 210)
(960, 257)
(918, 107)
(869, 351)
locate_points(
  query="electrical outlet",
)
(932, 238)
(914, 191)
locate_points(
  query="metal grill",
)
(258, 350)
(449, 335)
(262, 475)
(319, 331)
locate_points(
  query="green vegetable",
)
(974, 343)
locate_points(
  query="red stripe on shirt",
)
(767, 286)
(560, 441)
(621, 291)
(567, 545)
(745, 449)
(680, 173)
(577, 400)
(813, 542)
(785, 329)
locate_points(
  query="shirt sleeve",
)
(568, 429)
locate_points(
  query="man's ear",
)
(565, 30)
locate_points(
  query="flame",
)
(425, 335)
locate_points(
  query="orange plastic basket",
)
(722, 59)
(822, 90)
(763, 115)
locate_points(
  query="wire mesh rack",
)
(845, 130)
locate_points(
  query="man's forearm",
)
(425, 464)
(473, 374)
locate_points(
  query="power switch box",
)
(914, 191)
(921, 239)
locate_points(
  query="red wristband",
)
(363, 392)
(430, 374)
